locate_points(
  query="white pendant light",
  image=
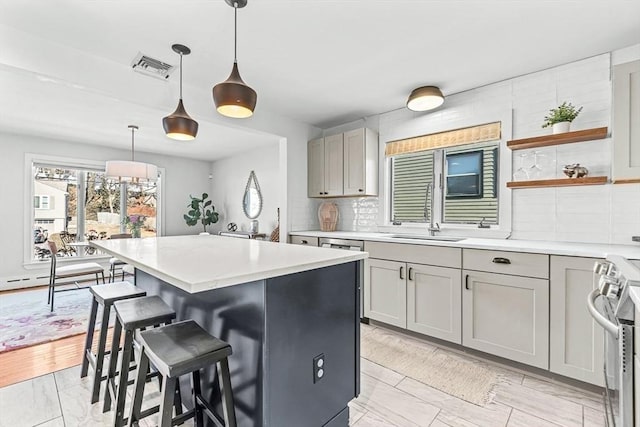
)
(130, 170)
(425, 98)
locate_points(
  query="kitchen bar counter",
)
(201, 263)
(592, 250)
(281, 307)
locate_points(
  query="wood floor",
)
(41, 359)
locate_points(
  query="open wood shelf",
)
(558, 139)
(560, 182)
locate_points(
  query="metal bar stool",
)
(105, 295)
(132, 315)
(115, 263)
(178, 349)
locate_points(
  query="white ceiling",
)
(322, 62)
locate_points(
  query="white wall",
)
(597, 214)
(182, 176)
(229, 179)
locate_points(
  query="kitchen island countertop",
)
(201, 263)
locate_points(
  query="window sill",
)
(37, 265)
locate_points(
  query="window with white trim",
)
(82, 204)
(464, 179)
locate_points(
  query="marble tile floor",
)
(387, 399)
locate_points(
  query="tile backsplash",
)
(355, 214)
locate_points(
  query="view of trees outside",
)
(103, 216)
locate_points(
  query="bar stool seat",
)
(106, 296)
(133, 314)
(178, 349)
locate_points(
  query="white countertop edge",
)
(236, 279)
(513, 245)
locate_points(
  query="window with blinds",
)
(410, 176)
(470, 197)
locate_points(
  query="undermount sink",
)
(419, 237)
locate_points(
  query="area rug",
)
(25, 318)
(464, 379)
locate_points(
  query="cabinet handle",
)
(401, 273)
(410, 271)
(321, 193)
(303, 242)
(466, 282)
(500, 260)
(360, 190)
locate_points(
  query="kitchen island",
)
(281, 307)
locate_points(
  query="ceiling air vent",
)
(151, 67)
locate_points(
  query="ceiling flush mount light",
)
(179, 125)
(425, 98)
(131, 171)
(233, 98)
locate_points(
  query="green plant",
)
(564, 113)
(201, 210)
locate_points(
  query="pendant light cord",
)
(235, 32)
(181, 76)
(132, 145)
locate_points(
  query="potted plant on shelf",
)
(134, 223)
(560, 118)
(201, 210)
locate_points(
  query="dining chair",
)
(115, 263)
(67, 271)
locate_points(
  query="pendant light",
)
(179, 125)
(425, 98)
(131, 171)
(233, 98)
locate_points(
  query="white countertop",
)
(201, 263)
(530, 246)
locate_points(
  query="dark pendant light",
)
(179, 125)
(233, 98)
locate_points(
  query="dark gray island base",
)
(276, 327)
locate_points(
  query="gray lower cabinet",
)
(576, 341)
(636, 397)
(385, 292)
(507, 316)
(434, 305)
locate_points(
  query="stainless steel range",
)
(612, 308)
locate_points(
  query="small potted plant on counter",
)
(560, 118)
(201, 210)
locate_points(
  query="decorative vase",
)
(135, 233)
(561, 127)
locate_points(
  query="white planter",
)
(561, 127)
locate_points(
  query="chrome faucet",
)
(434, 227)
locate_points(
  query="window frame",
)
(71, 163)
(479, 176)
(504, 166)
(40, 204)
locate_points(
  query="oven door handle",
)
(598, 317)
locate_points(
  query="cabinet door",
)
(636, 397)
(315, 168)
(626, 126)
(434, 301)
(576, 341)
(333, 165)
(354, 163)
(385, 291)
(507, 316)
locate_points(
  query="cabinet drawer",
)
(516, 263)
(304, 240)
(419, 254)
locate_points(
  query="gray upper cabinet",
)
(343, 165)
(324, 167)
(626, 125)
(360, 163)
(576, 341)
